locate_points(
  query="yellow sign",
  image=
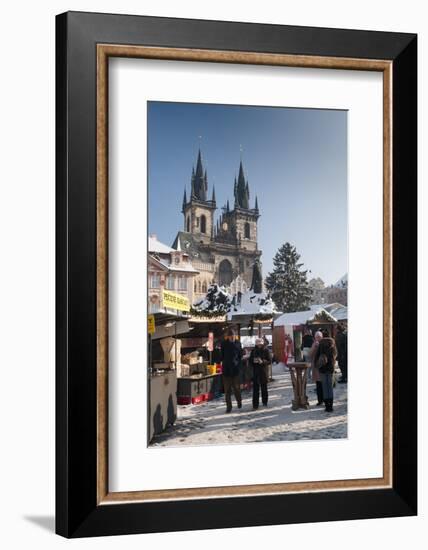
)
(151, 324)
(172, 300)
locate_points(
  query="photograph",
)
(247, 271)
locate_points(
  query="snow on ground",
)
(208, 423)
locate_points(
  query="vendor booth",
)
(164, 350)
(290, 327)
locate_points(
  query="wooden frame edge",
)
(104, 51)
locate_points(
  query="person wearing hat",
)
(260, 359)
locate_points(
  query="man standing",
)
(342, 352)
(231, 356)
(260, 359)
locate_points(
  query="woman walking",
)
(325, 359)
(315, 372)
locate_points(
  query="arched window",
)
(199, 286)
(203, 224)
(188, 224)
(247, 230)
(225, 273)
(204, 287)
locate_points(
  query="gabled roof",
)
(157, 246)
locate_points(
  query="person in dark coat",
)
(231, 358)
(325, 359)
(260, 359)
(342, 352)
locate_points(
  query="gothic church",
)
(223, 250)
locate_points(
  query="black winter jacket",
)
(260, 353)
(231, 357)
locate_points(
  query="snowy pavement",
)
(208, 423)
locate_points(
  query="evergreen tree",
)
(288, 283)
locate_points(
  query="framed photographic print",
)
(236, 274)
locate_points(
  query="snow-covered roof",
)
(294, 318)
(252, 304)
(157, 246)
(180, 268)
(337, 312)
(183, 267)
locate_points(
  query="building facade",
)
(168, 269)
(222, 249)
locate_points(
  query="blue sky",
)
(295, 160)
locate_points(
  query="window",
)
(170, 282)
(155, 280)
(225, 273)
(182, 283)
(199, 286)
(203, 224)
(204, 287)
(188, 224)
(247, 230)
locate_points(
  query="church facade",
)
(222, 248)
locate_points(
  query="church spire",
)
(242, 190)
(199, 169)
(213, 195)
(199, 180)
(256, 206)
(184, 199)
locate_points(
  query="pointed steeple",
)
(184, 199)
(256, 206)
(199, 169)
(242, 191)
(213, 195)
(199, 180)
(227, 206)
(192, 184)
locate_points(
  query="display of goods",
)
(191, 358)
(211, 369)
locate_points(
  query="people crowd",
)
(320, 351)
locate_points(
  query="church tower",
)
(199, 210)
(240, 224)
(237, 229)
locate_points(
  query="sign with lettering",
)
(173, 300)
(151, 324)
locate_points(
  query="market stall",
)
(164, 353)
(199, 373)
(291, 326)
